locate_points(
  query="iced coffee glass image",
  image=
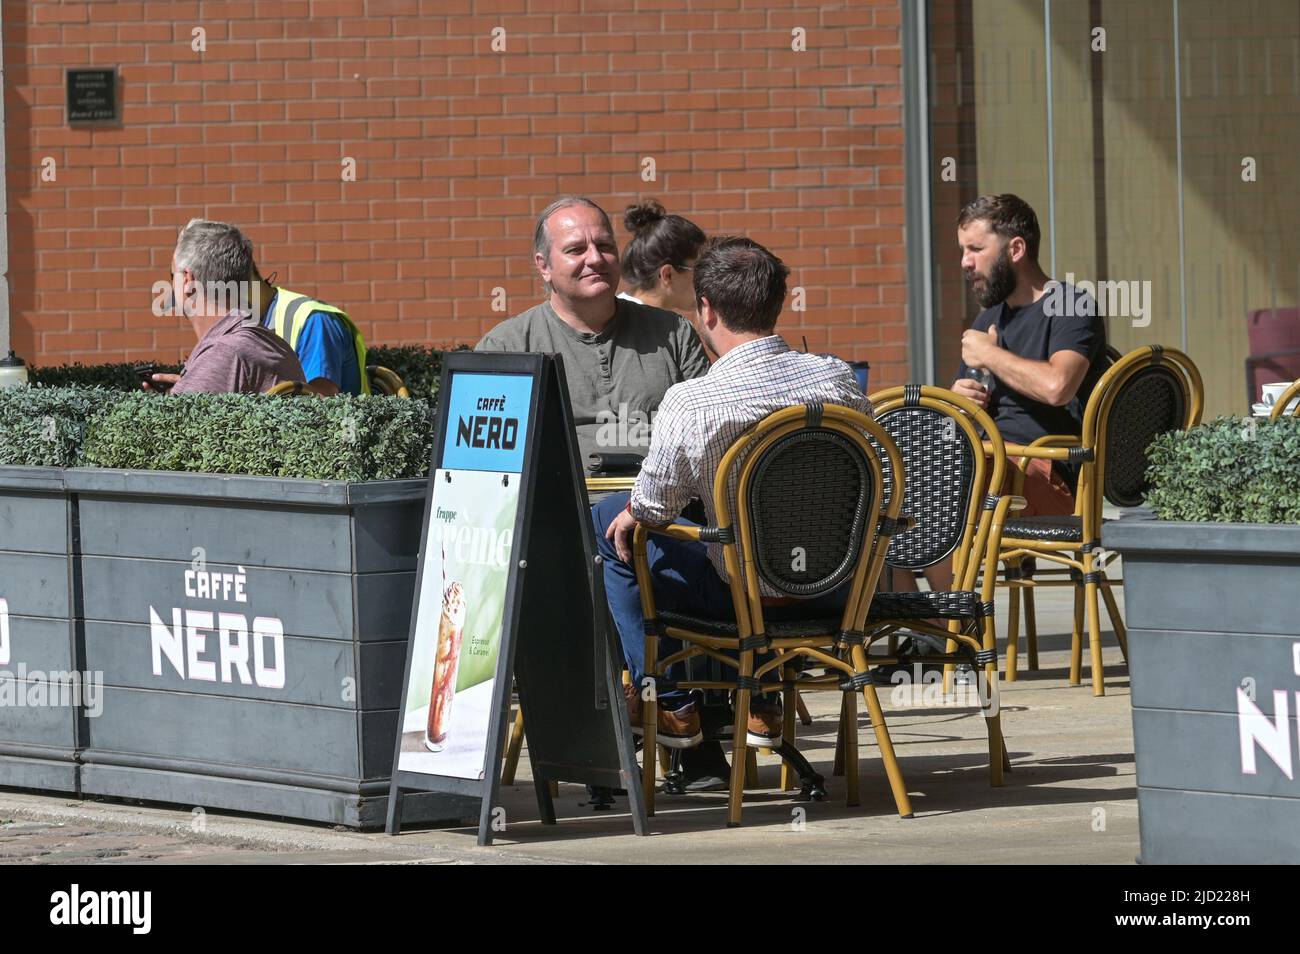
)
(451, 627)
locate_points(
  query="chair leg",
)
(789, 703)
(751, 768)
(1031, 629)
(993, 710)
(649, 723)
(665, 760)
(1013, 629)
(837, 768)
(892, 771)
(1094, 639)
(513, 748)
(739, 748)
(849, 727)
(949, 669)
(1116, 620)
(802, 708)
(1076, 640)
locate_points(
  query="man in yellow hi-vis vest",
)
(329, 346)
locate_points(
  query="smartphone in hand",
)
(146, 373)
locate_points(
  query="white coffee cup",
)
(1271, 392)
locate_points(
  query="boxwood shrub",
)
(417, 365)
(46, 427)
(1229, 470)
(119, 377)
(341, 438)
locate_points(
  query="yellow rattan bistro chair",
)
(1289, 395)
(386, 382)
(952, 486)
(1146, 392)
(289, 389)
(800, 506)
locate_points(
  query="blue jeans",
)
(684, 582)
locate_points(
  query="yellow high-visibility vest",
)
(289, 316)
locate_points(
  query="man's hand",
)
(972, 390)
(620, 531)
(977, 346)
(160, 381)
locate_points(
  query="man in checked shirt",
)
(739, 289)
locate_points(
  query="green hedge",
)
(119, 377)
(46, 427)
(418, 366)
(341, 438)
(1228, 471)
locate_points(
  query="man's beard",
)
(1001, 282)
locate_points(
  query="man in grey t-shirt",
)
(620, 357)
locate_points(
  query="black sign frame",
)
(576, 728)
(108, 78)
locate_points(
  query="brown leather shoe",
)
(680, 729)
(675, 730)
(765, 726)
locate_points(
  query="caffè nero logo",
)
(252, 654)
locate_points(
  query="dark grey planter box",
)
(1214, 633)
(271, 687)
(37, 742)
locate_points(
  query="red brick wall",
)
(457, 147)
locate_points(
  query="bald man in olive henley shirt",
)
(619, 356)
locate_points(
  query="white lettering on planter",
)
(233, 654)
(197, 624)
(212, 585)
(169, 642)
(268, 677)
(4, 632)
(1295, 657)
(1274, 737)
(185, 646)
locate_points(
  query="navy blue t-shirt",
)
(1036, 332)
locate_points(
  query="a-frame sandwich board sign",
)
(509, 590)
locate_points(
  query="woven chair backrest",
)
(810, 507)
(1151, 401)
(939, 462)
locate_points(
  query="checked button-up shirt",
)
(700, 419)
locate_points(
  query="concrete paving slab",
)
(1070, 799)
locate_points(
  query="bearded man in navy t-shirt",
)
(1043, 343)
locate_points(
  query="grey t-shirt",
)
(616, 378)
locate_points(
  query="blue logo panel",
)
(487, 422)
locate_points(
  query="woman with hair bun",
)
(657, 262)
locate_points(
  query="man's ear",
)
(542, 266)
(708, 317)
(1016, 249)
